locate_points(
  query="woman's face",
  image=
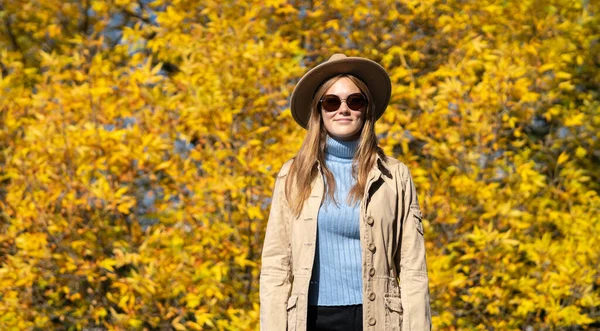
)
(344, 123)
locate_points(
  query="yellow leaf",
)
(575, 120)
(108, 264)
(562, 158)
(262, 130)
(546, 67)
(123, 208)
(135, 323)
(163, 165)
(121, 191)
(580, 152)
(192, 300)
(156, 69)
(254, 212)
(563, 75)
(193, 325)
(567, 86)
(178, 326)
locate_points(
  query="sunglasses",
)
(355, 101)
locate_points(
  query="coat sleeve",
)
(275, 272)
(410, 258)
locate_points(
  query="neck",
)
(344, 149)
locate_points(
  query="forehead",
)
(342, 87)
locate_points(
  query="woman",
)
(362, 265)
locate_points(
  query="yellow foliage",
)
(140, 141)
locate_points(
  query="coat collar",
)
(382, 167)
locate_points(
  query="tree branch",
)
(86, 17)
(9, 30)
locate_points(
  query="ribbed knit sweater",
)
(336, 279)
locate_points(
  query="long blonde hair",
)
(304, 168)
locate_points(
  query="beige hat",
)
(370, 72)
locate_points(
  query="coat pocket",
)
(393, 313)
(292, 312)
(418, 220)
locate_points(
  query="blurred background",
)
(140, 139)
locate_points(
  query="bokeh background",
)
(140, 140)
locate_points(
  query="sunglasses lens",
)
(331, 103)
(356, 101)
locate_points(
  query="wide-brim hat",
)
(368, 71)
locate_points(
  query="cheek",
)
(361, 116)
(326, 118)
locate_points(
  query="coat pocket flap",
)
(394, 303)
(417, 213)
(418, 218)
(292, 302)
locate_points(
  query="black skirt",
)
(333, 318)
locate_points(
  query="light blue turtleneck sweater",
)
(336, 279)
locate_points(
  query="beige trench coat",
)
(394, 271)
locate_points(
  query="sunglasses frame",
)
(344, 100)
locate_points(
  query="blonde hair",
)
(304, 168)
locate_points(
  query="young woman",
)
(344, 247)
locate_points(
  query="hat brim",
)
(370, 72)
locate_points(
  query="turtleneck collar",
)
(340, 149)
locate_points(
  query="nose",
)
(344, 107)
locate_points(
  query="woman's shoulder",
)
(396, 166)
(285, 168)
(393, 163)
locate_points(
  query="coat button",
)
(372, 247)
(370, 220)
(372, 272)
(372, 296)
(372, 321)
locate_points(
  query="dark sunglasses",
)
(355, 101)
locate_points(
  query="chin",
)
(347, 134)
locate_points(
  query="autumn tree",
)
(140, 141)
